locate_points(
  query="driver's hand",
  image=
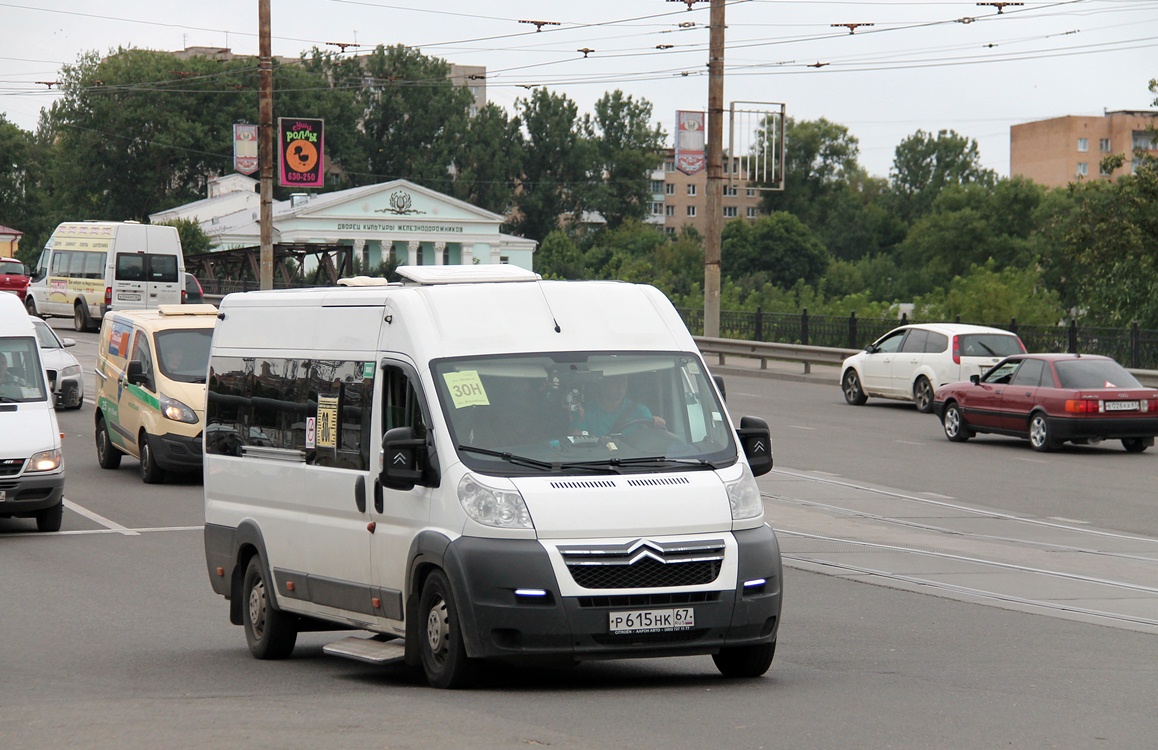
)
(659, 422)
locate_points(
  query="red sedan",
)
(1051, 398)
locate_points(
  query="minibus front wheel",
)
(444, 656)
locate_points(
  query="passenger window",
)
(890, 343)
(1001, 374)
(936, 343)
(1029, 374)
(143, 352)
(401, 407)
(162, 269)
(130, 267)
(915, 341)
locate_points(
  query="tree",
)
(988, 295)
(490, 160)
(627, 148)
(194, 241)
(924, 165)
(413, 116)
(557, 165)
(778, 245)
(21, 188)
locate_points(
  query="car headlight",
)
(71, 370)
(45, 461)
(504, 509)
(176, 411)
(744, 496)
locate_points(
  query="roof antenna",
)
(548, 303)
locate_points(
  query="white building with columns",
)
(396, 219)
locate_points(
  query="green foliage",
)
(924, 165)
(627, 148)
(779, 245)
(557, 164)
(989, 295)
(490, 157)
(193, 240)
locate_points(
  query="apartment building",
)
(680, 199)
(1061, 150)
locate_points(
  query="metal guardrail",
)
(818, 355)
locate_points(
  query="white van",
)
(31, 464)
(90, 267)
(479, 464)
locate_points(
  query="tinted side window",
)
(321, 408)
(890, 343)
(143, 352)
(1029, 374)
(915, 341)
(162, 269)
(130, 267)
(936, 343)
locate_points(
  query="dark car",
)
(14, 277)
(1050, 399)
(193, 294)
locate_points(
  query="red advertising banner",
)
(689, 142)
(300, 152)
(245, 148)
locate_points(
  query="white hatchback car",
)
(909, 363)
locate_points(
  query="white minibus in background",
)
(90, 267)
(479, 464)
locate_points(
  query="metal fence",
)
(1134, 347)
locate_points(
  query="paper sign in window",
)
(327, 429)
(466, 389)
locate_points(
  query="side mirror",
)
(135, 373)
(67, 341)
(756, 441)
(974, 379)
(719, 381)
(403, 459)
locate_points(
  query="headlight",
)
(45, 461)
(176, 411)
(744, 496)
(489, 506)
(71, 370)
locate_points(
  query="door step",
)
(371, 650)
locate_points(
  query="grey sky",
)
(928, 65)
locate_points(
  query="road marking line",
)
(97, 518)
(801, 427)
(907, 442)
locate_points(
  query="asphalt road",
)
(111, 638)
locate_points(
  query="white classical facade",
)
(398, 219)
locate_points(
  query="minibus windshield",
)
(584, 412)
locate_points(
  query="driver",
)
(8, 380)
(610, 411)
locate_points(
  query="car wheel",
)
(49, 519)
(954, 424)
(1135, 445)
(108, 455)
(269, 632)
(853, 393)
(30, 306)
(923, 395)
(1039, 436)
(444, 656)
(745, 661)
(79, 317)
(151, 473)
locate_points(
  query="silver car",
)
(65, 375)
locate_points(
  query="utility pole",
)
(265, 141)
(715, 155)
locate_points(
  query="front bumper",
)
(486, 574)
(28, 493)
(67, 392)
(177, 452)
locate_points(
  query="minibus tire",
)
(745, 661)
(443, 652)
(49, 519)
(80, 322)
(269, 632)
(151, 473)
(30, 306)
(108, 455)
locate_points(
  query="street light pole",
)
(265, 141)
(715, 156)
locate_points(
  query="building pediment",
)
(398, 200)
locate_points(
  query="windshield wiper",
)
(614, 463)
(509, 457)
